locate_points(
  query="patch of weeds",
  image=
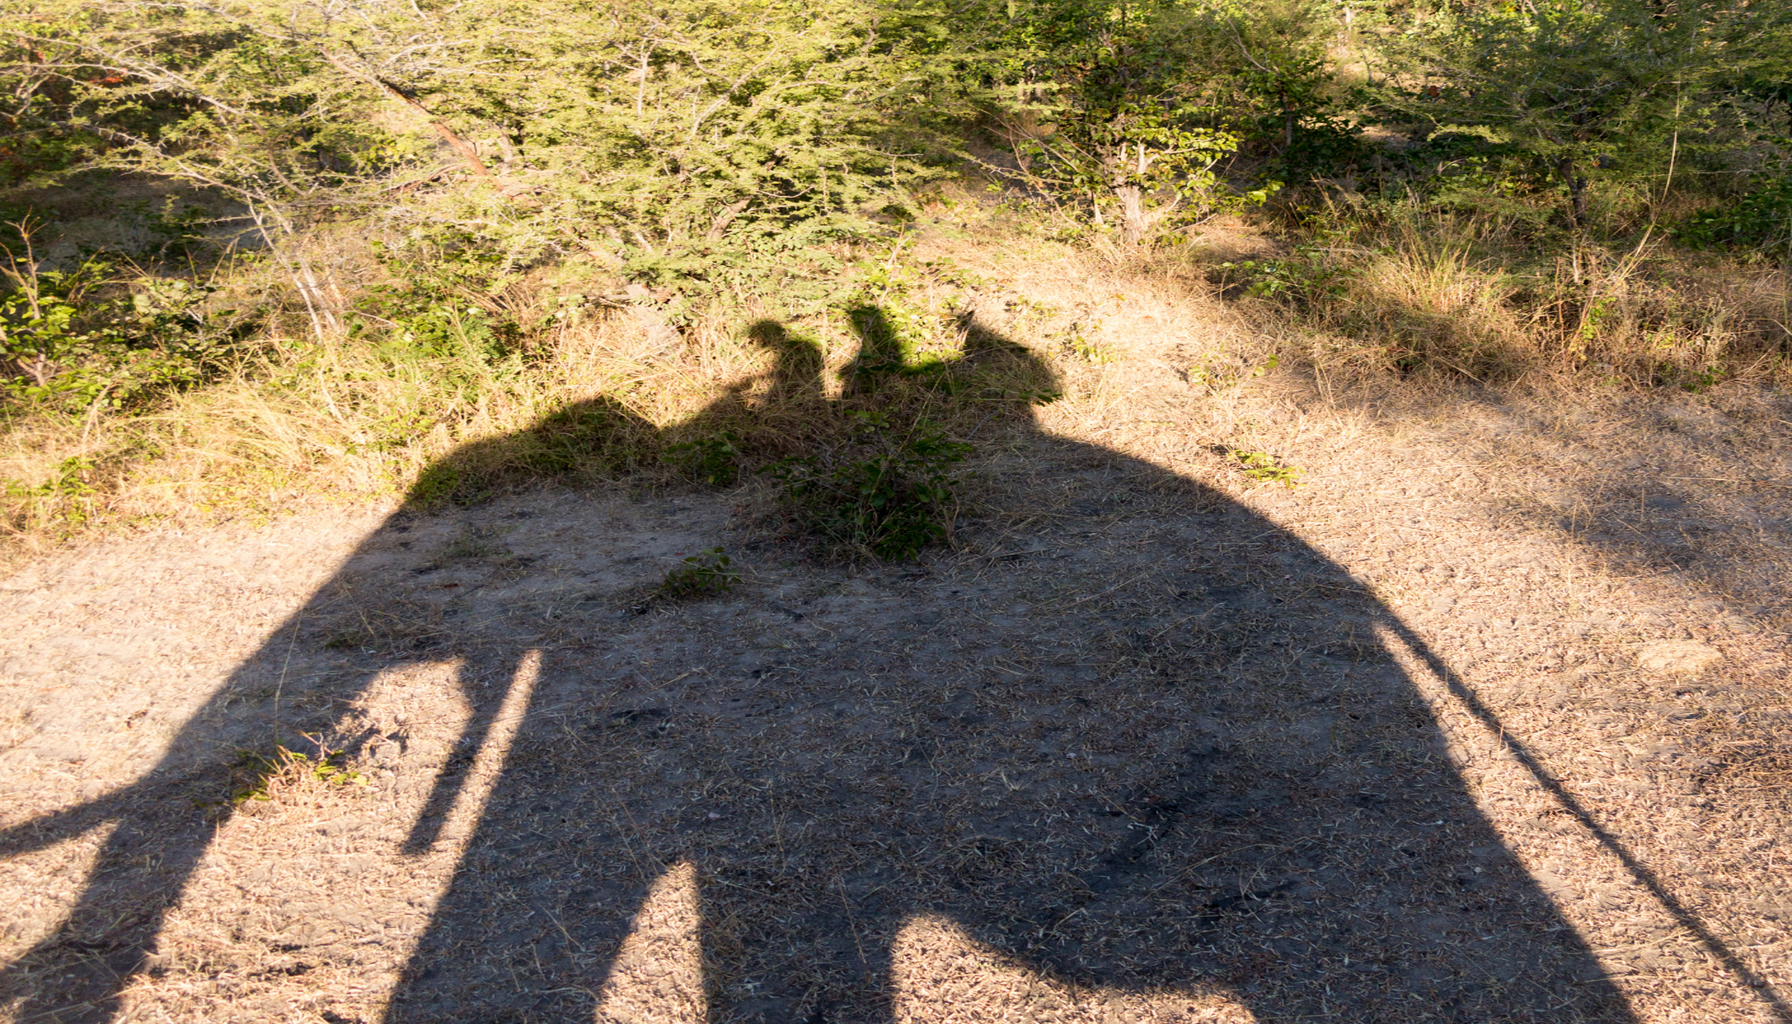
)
(1312, 271)
(350, 641)
(1028, 313)
(1265, 468)
(393, 431)
(1078, 342)
(98, 336)
(1593, 320)
(598, 435)
(1688, 379)
(475, 545)
(438, 482)
(258, 776)
(703, 574)
(67, 493)
(880, 492)
(713, 460)
(1214, 378)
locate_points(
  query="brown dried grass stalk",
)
(1469, 297)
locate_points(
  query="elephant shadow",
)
(1128, 735)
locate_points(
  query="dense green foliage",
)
(72, 342)
(694, 152)
(656, 137)
(1618, 87)
(694, 142)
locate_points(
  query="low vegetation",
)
(267, 255)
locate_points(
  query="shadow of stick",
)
(1459, 688)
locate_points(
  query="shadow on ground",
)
(1693, 488)
(1130, 735)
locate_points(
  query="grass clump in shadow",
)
(879, 491)
(713, 459)
(703, 574)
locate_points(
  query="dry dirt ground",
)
(1486, 721)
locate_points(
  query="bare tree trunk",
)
(1134, 220)
(1136, 217)
(1577, 190)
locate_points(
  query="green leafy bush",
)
(1094, 100)
(1761, 220)
(682, 144)
(74, 338)
(1312, 271)
(1616, 90)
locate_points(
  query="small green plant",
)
(713, 460)
(69, 483)
(258, 775)
(1265, 468)
(1597, 313)
(880, 492)
(65, 496)
(703, 574)
(1080, 344)
(1214, 378)
(1696, 381)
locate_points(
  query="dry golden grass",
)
(1413, 303)
(1470, 297)
(302, 425)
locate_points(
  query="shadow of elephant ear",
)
(593, 437)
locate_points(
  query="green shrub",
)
(73, 338)
(880, 492)
(703, 574)
(1761, 220)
